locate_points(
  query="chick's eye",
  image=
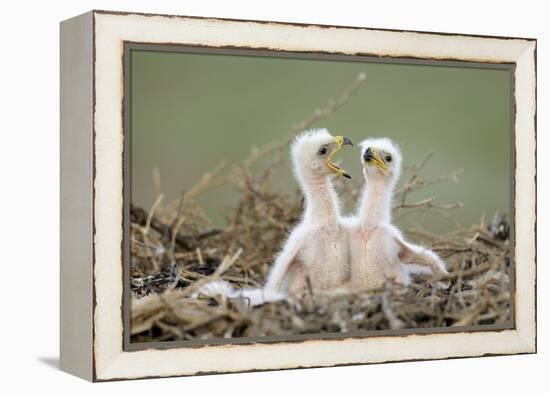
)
(388, 158)
(323, 150)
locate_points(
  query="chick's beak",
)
(339, 141)
(346, 141)
(371, 156)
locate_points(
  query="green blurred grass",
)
(191, 111)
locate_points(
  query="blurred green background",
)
(191, 111)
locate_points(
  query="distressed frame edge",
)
(305, 24)
(526, 339)
(76, 196)
(525, 184)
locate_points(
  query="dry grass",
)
(174, 250)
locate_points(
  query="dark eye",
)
(323, 150)
(388, 158)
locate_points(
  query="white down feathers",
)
(333, 253)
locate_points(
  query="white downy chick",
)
(378, 250)
(316, 252)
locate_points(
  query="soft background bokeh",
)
(191, 111)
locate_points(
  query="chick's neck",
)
(376, 200)
(321, 201)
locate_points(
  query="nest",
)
(175, 250)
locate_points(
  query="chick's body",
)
(316, 253)
(322, 259)
(375, 258)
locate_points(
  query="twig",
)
(226, 264)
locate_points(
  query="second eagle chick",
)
(378, 250)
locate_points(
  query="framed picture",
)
(245, 195)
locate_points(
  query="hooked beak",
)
(371, 156)
(339, 141)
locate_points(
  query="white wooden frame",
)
(92, 194)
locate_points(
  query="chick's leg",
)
(298, 281)
(278, 276)
(416, 255)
